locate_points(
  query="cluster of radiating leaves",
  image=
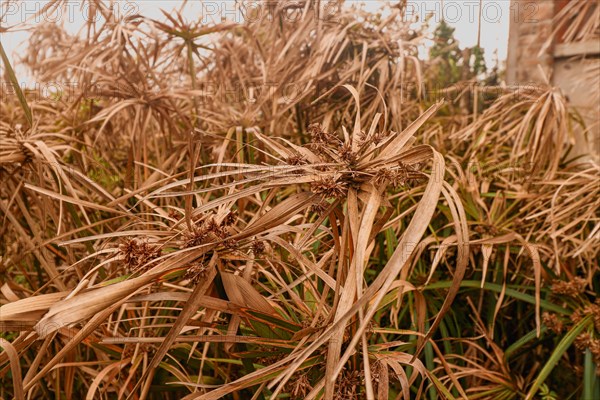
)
(266, 208)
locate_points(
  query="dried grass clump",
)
(273, 207)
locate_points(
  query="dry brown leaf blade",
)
(15, 368)
(86, 304)
(243, 293)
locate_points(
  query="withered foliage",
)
(274, 207)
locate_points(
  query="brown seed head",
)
(230, 219)
(195, 273)
(329, 188)
(137, 254)
(347, 155)
(553, 322)
(258, 247)
(571, 288)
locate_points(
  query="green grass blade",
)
(441, 388)
(591, 384)
(564, 344)
(494, 287)
(15, 83)
(522, 341)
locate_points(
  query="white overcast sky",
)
(464, 15)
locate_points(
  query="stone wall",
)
(530, 28)
(563, 65)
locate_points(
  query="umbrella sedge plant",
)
(278, 207)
